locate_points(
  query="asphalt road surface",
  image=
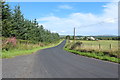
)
(57, 63)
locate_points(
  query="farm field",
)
(102, 45)
(94, 45)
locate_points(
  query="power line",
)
(97, 23)
(94, 24)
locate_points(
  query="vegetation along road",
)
(57, 63)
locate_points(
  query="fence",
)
(98, 47)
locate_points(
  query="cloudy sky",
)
(89, 18)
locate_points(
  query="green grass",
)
(18, 52)
(94, 55)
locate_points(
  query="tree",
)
(6, 20)
(68, 37)
(15, 23)
(18, 22)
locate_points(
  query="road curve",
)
(57, 63)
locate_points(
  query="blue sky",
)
(33, 10)
(61, 17)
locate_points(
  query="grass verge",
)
(17, 52)
(95, 55)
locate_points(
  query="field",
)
(99, 48)
(103, 45)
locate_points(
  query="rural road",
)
(57, 63)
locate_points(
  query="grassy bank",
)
(20, 51)
(98, 55)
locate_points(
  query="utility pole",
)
(74, 33)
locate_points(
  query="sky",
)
(89, 18)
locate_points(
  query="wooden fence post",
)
(110, 46)
(91, 46)
(99, 46)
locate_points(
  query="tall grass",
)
(24, 47)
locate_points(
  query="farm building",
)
(91, 38)
(88, 38)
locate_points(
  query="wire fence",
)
(99, 47)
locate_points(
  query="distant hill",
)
(106, 36)
(92, 35)
(63, 35)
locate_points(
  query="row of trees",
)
(13, 22)
(96, 37)
(107, 38)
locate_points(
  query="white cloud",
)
(62, 31)
(54, 31)
(65, 7)
(110, 20)
(106, 23)
(104, 6)
(111, 10)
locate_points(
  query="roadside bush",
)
(21, 45)
(8, 47)
(75, 45)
